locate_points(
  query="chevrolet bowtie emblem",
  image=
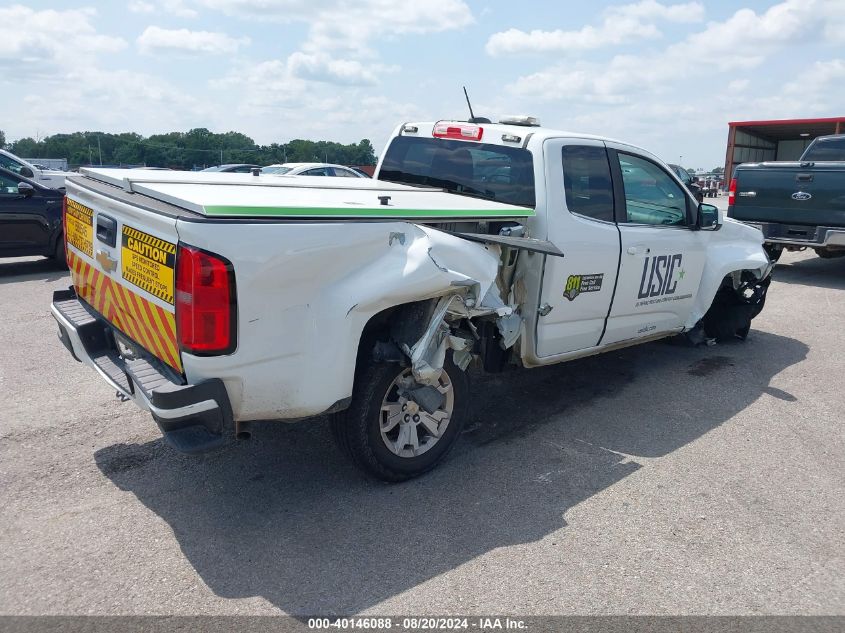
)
(106, 262)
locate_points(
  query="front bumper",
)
(192, 418)
(802, 235)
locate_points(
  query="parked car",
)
(48, 178)
(313, 169)
(236, 168)
(797, 205)
(689, 181)
(30, 218)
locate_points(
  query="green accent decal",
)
(372, 212)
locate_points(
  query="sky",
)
(667, 76)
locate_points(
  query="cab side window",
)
(651, 195)
(8, 186)
(587, 183)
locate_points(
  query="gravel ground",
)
(656, 480)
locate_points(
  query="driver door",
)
(662, 255)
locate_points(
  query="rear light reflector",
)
(732, 192)
(458, 131)
(206, 311)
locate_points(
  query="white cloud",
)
(653, 10)
(61, 37)
(155, 39)
(178, 8)
(823, 82)
(691, 88)
(746, 38)
(86, 97)
(743, 41)
(622, 24)
(139, 6)
(321, 67)
(338, 47)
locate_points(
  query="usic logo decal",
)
(660, 276)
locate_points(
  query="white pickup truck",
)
(48, 177)
(216, 300)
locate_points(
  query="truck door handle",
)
(633, 250)
(106, 230)
(804, 177)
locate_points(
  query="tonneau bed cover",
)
(313, 197)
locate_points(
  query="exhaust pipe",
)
(243, 430)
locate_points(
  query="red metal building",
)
(786, 139)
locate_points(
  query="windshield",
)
(276, 170)
(11, 164)
(503, 174)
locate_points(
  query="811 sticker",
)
(80, 227)
(147, 262)
(579, 284)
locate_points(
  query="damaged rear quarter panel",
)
(306, 292)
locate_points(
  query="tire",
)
(773, 252)
(358, 429)
(829, 254)
(59, 255)
(730, 315)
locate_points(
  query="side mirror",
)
(708, 217)
(25, 189)
(26, 172)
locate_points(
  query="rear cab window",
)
(828, 149)
(482, 170)
(587, 182)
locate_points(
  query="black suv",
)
(30, 218)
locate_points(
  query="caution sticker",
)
(80, 227)
(148, 262)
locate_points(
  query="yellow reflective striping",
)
(149, 325)
(155, 242)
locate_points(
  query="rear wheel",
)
(59, 254)
(388, 434)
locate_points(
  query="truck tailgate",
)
(791, 193)
(122, 262)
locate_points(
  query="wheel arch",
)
(724, 264)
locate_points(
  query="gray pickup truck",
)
(797, 205)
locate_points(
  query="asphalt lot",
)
(656, 480)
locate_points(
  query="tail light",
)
(458, 131)
(732, 192)
(206, 311)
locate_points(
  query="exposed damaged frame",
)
(463, 304)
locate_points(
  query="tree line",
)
(194, 149)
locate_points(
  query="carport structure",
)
(786, 139)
